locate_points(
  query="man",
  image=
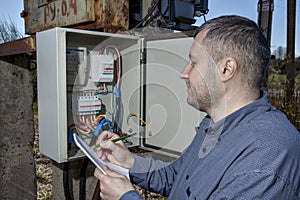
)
(244, 149)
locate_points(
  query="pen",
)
(118, 139)
(123, 137)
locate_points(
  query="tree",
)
(280, 53)
(9, 30)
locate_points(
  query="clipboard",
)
(91, 154)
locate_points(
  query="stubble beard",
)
(199, 98)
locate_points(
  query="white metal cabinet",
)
(150, 87)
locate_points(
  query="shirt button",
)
(203, 149)
(187, 177)
(188, 192)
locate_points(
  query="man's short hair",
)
(239, 38)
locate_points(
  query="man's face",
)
(200, 76)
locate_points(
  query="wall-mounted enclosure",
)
(91, 81)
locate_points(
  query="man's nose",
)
(186, 71)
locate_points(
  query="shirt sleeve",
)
(131, 195)
(256, 185)
(158, 176)
(154, 175)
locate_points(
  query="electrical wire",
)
(172, 14)
(82, 127)
(148, 15)
(99, 127)
(140, 119)
(66, 184)
(87, 124)
(82, 182)
(103, 90)
(119, 110)
(117, 107)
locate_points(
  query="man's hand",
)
(112, 185)
(114, 152)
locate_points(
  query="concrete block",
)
(16, 133)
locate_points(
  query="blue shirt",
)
(254, 153)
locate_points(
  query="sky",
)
(246, 8)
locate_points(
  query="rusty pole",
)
(290, 66)
(265, 15)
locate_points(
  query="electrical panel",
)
(91, 81)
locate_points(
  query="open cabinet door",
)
(166, 110)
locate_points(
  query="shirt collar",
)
(232, 120)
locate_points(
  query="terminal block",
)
(89, 105)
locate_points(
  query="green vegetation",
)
(277, 88)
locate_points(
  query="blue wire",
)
(70, 135)
(118, 96)
(100, 126)
(104, 92)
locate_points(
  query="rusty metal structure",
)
(104, 15)
(265, 10)
(25, 45)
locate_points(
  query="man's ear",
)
(227, 69)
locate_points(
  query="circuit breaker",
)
(93, 81)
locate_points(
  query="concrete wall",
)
(17, 169)
(17, 165)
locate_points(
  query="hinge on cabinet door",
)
(143, 56)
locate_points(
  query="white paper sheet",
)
(91, 154)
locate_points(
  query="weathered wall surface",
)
(17, 164)
(16, 132)
(74, 180)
